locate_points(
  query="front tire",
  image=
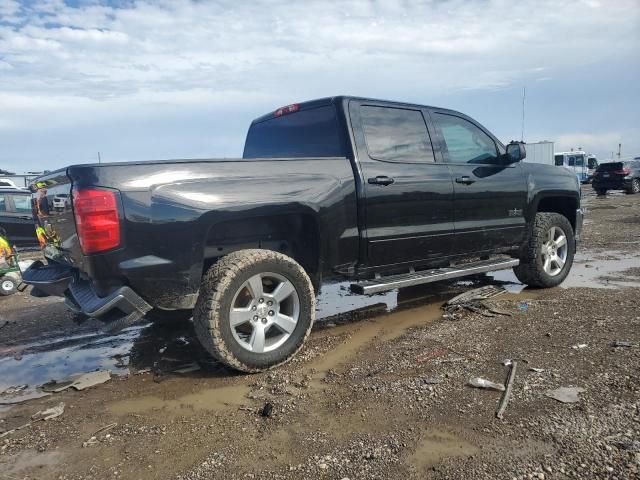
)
(255, 309)
(8, 286)
(548, 255)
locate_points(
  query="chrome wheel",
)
(8, 285)
(554, 251)
(264, 312)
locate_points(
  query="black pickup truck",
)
(385, 194)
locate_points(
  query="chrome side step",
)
(383, 284)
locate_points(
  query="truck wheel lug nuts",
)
(269, 303)
(254, 307)
(264, 320)
(255, 318)
(261, 300)
(271, 313)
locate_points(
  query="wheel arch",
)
(295, 234)
(565, 205)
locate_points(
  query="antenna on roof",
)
(524, 93)
(99, 159)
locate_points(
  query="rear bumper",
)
(612, 184)
(64, 281)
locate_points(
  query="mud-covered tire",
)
(531, 269)
(8, 286)
(221, 283)
(601, 192)
(169, 317)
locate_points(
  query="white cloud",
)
(146, 57)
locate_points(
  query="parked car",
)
(16, 216)
(617, 176)
(384, 194)
(61, 201)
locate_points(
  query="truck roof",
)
(338, 99)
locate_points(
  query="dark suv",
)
(16, 216)
(617, 176)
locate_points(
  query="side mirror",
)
(516, 152)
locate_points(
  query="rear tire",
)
(548, 255)
(600, 192)
(635, 186)
(275, 295)
(8, 286)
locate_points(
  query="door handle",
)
(25, 217)
(464, 179)
(381, 180)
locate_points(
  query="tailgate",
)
(53, 215)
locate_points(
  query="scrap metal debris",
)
(473, 301)
(14, 389)
(623, 343)
(93, 439)
(20, 396)
(80, 381)
(49, 413)
(565, 394)
(45, 415)
(502, 406)
(580, 346)
(484, 383)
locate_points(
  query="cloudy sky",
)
(179, 78)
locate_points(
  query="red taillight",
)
(595, 174)
(624, 171)
(97, 219)
(286, 110)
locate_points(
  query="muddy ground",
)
(379, 392)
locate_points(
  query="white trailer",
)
(539, 152)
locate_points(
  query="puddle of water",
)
(336, 298)
(209, 399)
(37, 363)
(437, 445)
(589, 270)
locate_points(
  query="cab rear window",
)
(305, 133)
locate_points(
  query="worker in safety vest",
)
(6, 252)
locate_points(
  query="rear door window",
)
(466, 143)
(306, 133)
(22, 203)
(559, 159)
(3, 203)
(396, 134)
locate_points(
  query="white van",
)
(579, 162)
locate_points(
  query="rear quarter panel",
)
(171, 208)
